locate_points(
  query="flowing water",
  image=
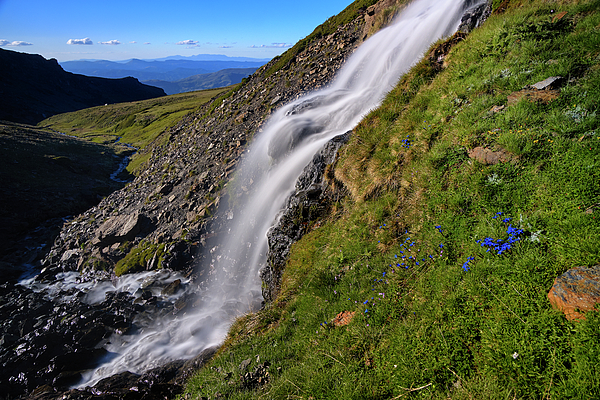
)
(275, 160)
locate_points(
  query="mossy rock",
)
(145, 256)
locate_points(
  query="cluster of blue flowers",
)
(406, 142)
(499, 246)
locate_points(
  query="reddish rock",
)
(343, 318)
(576, 291)
(488, 156)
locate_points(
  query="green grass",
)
(463, 323)
(135, 123)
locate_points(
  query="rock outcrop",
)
(576, 292)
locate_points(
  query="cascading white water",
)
(275, 160)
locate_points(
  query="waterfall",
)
(269, 171)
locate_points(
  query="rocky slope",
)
(174, 201)
(46, 175)
(33, 88)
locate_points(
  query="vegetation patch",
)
(446, 261)
(135, 124)
(141, 257)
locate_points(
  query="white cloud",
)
(147, 43)
(133, 42)
(111, 42)
(273, 46)
(188, 42)
(80, 41)
(225, 47)
(15, 43)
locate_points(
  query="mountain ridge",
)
(221, 78)
(33, 88)
(168, 69)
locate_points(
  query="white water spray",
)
(275, 160)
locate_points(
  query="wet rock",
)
(171, 288)
(313, 195)
(576, 292)
(474, 17)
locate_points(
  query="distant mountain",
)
(213, 57)
(169, 69)
(33, 88)
(222, 78)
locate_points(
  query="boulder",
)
(120, 228)
(488, 156)
(576, 291)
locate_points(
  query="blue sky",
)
(124, 29)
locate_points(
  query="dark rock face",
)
(314, 193)
(576, 291)
(475, 17)
(34, 88)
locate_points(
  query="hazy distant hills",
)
(171, 69)
(33, 88)
(222, 78)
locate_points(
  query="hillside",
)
(136, 124)
(421, 256)
(33, 88)
(47, 176)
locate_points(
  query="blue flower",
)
(465, 266)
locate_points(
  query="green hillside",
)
(440, 261)
(136, 123)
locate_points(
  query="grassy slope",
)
(432, 326)
(136, 123)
